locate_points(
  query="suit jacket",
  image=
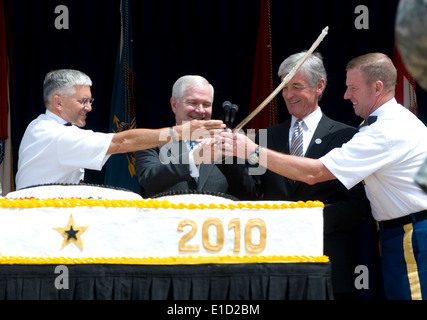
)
(344, 209)
(166, 168)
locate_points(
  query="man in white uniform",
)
(386, 154)
(55, 149)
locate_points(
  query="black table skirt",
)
(264, 281)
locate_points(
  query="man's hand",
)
(208, 151)
(199, 129)
(236, 145)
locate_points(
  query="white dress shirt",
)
(51, 152)
(385, 155)
(309, 127)
(194, 169)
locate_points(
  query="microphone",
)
(234, 109)
(226, 106)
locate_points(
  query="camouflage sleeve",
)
(411, 36)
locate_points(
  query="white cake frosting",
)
(195, 198)
(55, 191)
(201, 226)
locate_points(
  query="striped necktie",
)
(297, 139)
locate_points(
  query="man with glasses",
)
(55, 148)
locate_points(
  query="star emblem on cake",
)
(72, 233)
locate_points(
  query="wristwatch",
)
(254, 157)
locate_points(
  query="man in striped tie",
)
(310, 133)
(386, 155)
(297, 139)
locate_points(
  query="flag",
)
(120, 171)
(6, 164)
(406, 85)
(262, 78)
(3, 74)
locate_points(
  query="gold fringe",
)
(28, 203)
(164, 261)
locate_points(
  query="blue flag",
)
(120, 170)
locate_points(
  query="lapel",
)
(204, 174)
(278, 140)
(281, 141)
(179, 149)
(175, 150)
(318, 142)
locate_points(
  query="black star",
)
(71, 233)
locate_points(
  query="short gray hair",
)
(62, 82)
(313, 67)
(185, 82)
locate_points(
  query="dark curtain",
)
(253, 281)
(297, 24)
(213, 38)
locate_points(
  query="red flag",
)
(406, 86)
(3, 74)
(262, 79)
(6, 159)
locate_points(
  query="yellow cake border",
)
(28, 203)
(189, 260)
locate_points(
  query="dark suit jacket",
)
(344, 209)
(166, 168)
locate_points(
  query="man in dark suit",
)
(344, 209)
(181, 165)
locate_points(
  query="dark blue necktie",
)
(193, 144)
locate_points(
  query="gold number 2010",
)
(216, 247)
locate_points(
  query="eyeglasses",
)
(86, 101)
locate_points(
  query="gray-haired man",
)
(55, 149)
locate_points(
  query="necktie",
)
(297, 139)
(193, 144)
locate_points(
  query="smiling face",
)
(300, 96)
(362, 95)
(196, 103)
(70, 108)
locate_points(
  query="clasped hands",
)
(223, 144)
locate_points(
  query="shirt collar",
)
(382, 109)
(55, 117)
(310, 121)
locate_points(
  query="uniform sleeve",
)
(366, 153)
(83, 148)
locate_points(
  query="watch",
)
(254, 157)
